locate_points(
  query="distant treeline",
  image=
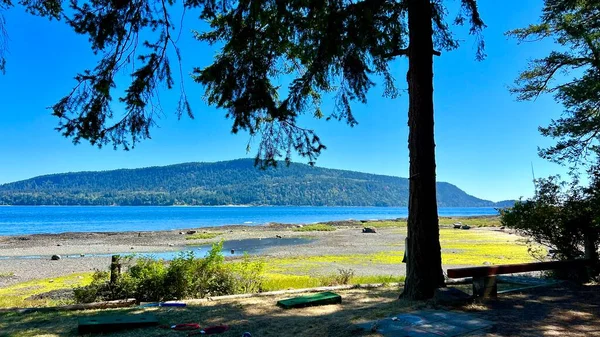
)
(235, 182)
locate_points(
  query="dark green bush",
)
(185, 277)
(565, 218)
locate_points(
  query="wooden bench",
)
(484, 278)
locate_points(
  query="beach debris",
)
(171, 245)
(299, 226)
(278, 236)
(192, 232)
(310, 300)
(457, 225)
(233, 251)
(103, 324)
(181, 233)
(369, 230)
(465, 227)
(55, 257)
(139, 235)
(81, 255)
(23, 238)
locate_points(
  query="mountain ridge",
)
(233, 182)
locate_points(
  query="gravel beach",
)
(28, 257)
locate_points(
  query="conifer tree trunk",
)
(424, 265)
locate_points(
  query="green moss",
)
(277, 281)
(203, 236)
(315, 228)
(482, 221)
(9, 274)
(386, 224)
(16, 295)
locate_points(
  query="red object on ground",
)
(182, 326)
(211, 330)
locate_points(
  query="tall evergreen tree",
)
(325, 46)
(571, 73)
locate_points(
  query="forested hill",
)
(235, 182)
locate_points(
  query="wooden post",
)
(485, 287)
(115, 269)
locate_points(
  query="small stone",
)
(50, 281)
(369, 230)
(233, 251)
(299, 226)
(181, 233)
(192, 232)
(139, 235)
(81, 255)
(502, 227)
(55, 257)
(171, 245)
(131, 248)
(457, 226)
(231, 231)
(486, 263)
(465, 227)
(59, 244)
(278, 236)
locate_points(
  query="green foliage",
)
(575, 27)
(203, 236)
(223, 183)
(184, 277)
(559, 218)
(315, 228)
(327, 47)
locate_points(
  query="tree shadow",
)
(561, 310)
(260, 316)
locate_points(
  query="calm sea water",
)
(16, 220)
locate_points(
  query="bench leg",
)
(485, 287)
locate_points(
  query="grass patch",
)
(16, 295)
(481, 221)
(9, 274)
(315, 228)
(386, 224)
(276, 281)
(203, 236)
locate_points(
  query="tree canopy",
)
(574, 25)
(325, 47)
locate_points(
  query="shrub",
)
(564, 218)
(185, 277)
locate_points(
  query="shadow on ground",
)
(564, 310)
(260, 316)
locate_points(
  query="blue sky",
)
(486, 141)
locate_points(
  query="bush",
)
(185, 277)
(564, 218)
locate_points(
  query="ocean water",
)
(20, 220)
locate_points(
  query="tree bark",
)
(424, 267)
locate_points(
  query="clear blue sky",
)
(486, 141)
